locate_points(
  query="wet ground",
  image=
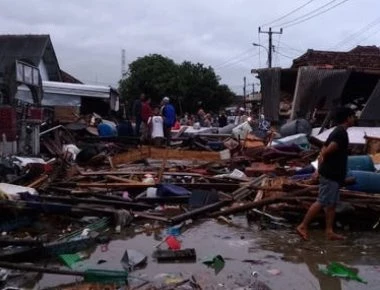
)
(280, 259)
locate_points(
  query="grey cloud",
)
(88, 35)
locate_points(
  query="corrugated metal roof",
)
(76, 89)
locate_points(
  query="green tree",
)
(153, 75)
(187, 84)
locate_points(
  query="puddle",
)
(280, 259)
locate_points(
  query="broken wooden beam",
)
(199, 211)
(88, 201)
(257, 204)
(38, 181)
(150, 216)
(31, 268)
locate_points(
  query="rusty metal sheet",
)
(270, 80)
(370, 112)
(315, 84)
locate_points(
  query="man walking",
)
(332, 173)
(169, 115)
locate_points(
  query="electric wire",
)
(288, 14)
(315, 15)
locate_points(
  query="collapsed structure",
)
(88, 191)
(320, 80)
(34, 90)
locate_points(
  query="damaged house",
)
(320, 80)
(34, 89)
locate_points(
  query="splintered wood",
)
(160, 153)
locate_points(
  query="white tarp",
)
(355, 134)
(11, 190)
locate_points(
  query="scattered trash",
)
(185, 255)
(173, 243)
(3, 275)
(106, 276)
(133, 259)
(335, 269)
(216, 262)
(274, 272)
(71, 259)
(174, 231)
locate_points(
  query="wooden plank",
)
(94, 173)
(159, 153)
(114, 185)
(38, 181)
(66, 114)
(121, 179)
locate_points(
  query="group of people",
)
(213, 120)
(154, 123)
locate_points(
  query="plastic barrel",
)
(365, 181)
(360, 163)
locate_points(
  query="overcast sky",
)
(88, 35)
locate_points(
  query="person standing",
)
(136, 112)
(169, 115)
(146, 113)
(156, 125)
(222, 120)
(332, 173)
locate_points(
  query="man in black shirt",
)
(136, 112)
(332, 173)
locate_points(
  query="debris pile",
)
(60, 206)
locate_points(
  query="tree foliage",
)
(187, 84)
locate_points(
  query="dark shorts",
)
(328, 192)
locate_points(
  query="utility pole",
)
(244, 87)
(253, 89)
(123, 69)
(270, 45)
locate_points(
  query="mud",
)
(280, 259)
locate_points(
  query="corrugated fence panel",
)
(270, 88)
(314, 84)
(371, 109)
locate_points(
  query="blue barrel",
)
(361, 163)
(365, 181)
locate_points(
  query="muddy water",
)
(280, 259)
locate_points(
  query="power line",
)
(289, 52)
(234, 57)
(289, 13)
(292, 48)
(259, 48)
(277, 48)
(356, 34)
(365, 38)
(307, 14)
(284, 55)
(237, 61)
(315, 15)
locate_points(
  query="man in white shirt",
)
(156, 125)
